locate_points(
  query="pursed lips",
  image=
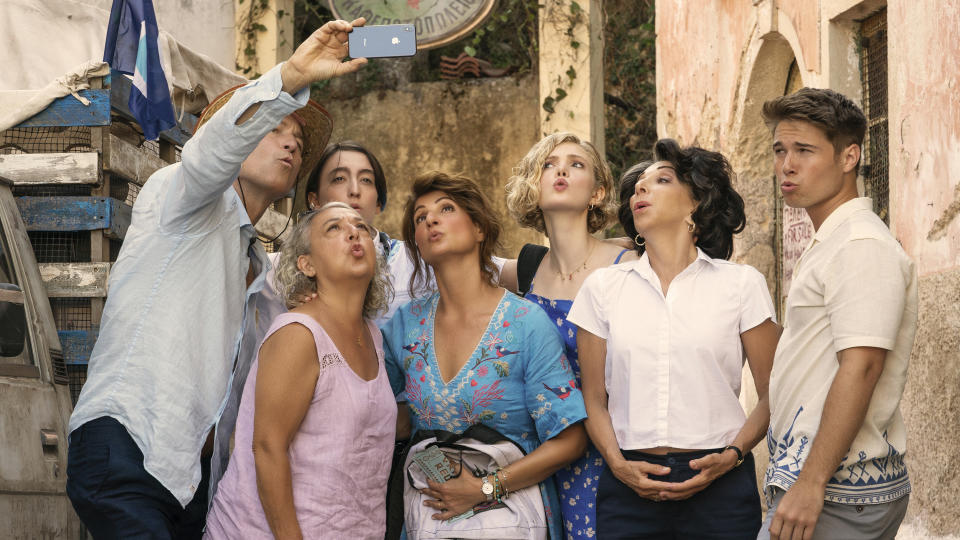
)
(640, 205)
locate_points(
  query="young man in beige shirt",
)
(837, 440)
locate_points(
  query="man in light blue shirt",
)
(180, 294)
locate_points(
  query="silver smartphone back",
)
(383, 41)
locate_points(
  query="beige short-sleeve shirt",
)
(854, 286)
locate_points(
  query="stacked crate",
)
(77, 171)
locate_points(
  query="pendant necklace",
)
(583, 266)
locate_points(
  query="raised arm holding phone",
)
(180, 297)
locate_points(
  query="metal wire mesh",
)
(124, 191)
(58, 247)
(77, 375)
(873, 70)
(71, 313)
(152, 146)
(115, 249)
(45, 140)
(52, 190)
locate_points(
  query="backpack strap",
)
(527, 263)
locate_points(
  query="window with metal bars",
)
(875, 161)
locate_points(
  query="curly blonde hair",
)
(293, 284)
(523, 188)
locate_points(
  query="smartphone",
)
(383, 41)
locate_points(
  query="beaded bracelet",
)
(501, 476)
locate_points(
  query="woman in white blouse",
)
(662, 343)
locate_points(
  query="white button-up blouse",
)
(674, 362)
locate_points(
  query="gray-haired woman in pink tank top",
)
(317, 419)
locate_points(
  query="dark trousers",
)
(116, 497)
(728, 509)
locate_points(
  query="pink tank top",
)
(339, 459)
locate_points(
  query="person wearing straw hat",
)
(180, 297)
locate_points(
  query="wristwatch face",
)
(487, 487)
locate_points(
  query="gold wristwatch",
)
(487, 488)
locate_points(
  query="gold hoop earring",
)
(638, 241)
(691, 227)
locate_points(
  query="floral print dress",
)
(517, 381)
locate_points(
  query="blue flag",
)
(132, 48)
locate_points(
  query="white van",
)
(35, 401)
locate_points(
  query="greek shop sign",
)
(438, 22)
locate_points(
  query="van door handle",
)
(49, 440)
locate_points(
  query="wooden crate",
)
(77, 171)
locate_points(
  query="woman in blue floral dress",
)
(471, 352)
(564, 188)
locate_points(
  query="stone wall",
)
(714, 73)
(480, 128)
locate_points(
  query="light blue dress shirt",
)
(179, 300)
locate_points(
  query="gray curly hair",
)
(293, 284)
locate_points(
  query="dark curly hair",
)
(719, 214)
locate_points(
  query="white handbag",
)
(480, 450)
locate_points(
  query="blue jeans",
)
(116, 497)
(728, 509)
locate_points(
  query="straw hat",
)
(317, 126)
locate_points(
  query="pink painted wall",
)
(805, 18)
(924, 97)
(699, 44)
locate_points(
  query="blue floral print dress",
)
(577, 482)
(517, 380)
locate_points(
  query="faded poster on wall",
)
(797, 233)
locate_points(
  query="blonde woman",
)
(564, 189)
(317, 419)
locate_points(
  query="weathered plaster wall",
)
(714, 72)
(931, 406)
(695, 87)
(478, 128)
(581, 110)
(924, 94)
(925, 200)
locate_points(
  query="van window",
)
(8, 331)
